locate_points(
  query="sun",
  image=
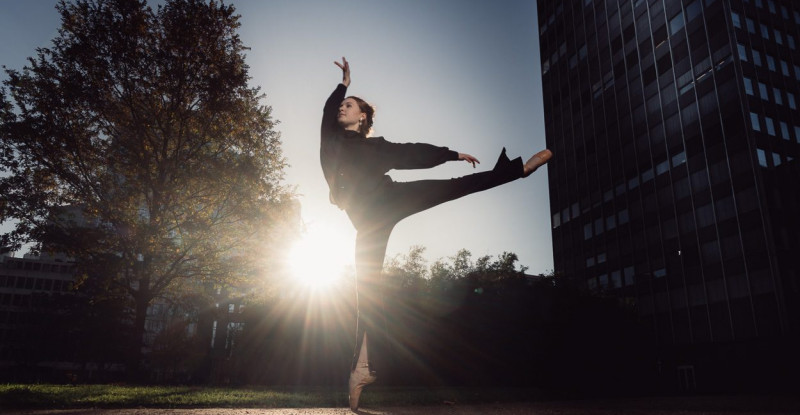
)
(319, 258)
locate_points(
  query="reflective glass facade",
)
(676, 132)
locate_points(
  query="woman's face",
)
(350, 114)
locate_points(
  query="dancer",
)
(355, 168)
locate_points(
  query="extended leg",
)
(404, 199)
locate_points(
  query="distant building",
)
(674, 184)
(22, 282)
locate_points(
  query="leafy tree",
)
(142, 121)
(462, 263)
(408, 271)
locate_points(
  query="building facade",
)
(675, 131)
(25, 284)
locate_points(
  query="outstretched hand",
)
(345, 67)
(468, 158)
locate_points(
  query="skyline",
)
(456, 74)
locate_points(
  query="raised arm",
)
(329, 112)
(345, 67)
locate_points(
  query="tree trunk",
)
(136, 372)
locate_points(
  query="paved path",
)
(719, 405)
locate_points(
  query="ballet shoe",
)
(359, 378)
(502, 160)
(536, 161)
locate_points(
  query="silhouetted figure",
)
(355, 168)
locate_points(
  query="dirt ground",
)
(719, 405)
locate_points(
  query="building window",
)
(556, 220)
(778, 37)
(661, 272)
(662, 167)
(764, 32)
(771, 63)
(748, 86)
(633, 183)
(762, 89)
(704, 215)
(628, 273)
(681, 188)
(623, 215)
(647, 175)
(611, 222)
(724, 208)
(754, 121)
(676, 23)
(751, 25)
(762, 157)
(742, 52)
(771, 4)
(590, 261)
(737, 22)
(770, 126)
(785, 68)
(603, 281)
(616, 279)
(598, 226)
(757, 57)
(785, 131)
(790, 99)
(797, 134)
(778, 97)
(587, 231)
(790, 41)
(710, 251)
(776, 159)
(693, 10)
(679, 159)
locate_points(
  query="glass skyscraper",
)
(674, 183)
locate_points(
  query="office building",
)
(674, 183)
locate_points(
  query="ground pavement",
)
(694, 405)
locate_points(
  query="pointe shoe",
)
(359, 378)
(536, 161)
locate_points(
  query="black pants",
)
(375, 216)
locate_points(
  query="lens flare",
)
(318, 259)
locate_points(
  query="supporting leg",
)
(371, 333)
(360, 376)
(371, 244)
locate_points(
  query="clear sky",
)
(458, 73)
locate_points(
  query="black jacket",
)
(355, 166)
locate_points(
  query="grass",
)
(115, 396)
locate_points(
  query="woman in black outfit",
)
(355, 168)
